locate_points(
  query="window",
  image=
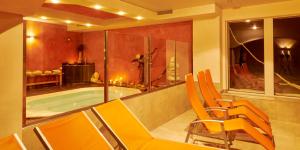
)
(286, 54)
(246, 64)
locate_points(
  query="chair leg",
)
(188, 135)
(226, 139)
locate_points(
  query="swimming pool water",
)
(51, 104)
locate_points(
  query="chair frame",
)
(105, 124)
(48, 146)
(19, 141)
(225, 134)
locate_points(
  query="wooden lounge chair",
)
(240, 111)
(74, 132)
(131, 133)
(227, 127)
(230, 103)
(11, 142)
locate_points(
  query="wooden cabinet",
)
(77, 73)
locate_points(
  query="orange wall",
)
(51, 46)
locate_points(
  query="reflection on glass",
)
(286, 52)
(247, 55)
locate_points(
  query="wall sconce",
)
(30, 37)
(285, 43)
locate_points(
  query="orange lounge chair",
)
(74, 132)
(235, 112)
(11, 142)
(230, 103)
(131, 133)
(226, 127)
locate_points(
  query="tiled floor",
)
(287, 135)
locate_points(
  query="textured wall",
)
(51, 46)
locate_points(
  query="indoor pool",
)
(59, 102)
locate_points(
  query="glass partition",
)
(68, 70)
(162, 62)
(183, 59)
(64, 69)
(127, 70)
(246, 55)
(170, 62)
(286, 51)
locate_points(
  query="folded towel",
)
(56, 71)
(37, 72)
(29, 73)
(47, 72)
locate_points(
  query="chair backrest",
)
(207, 95)
(74, 132)
(11, 142)
(237, 68)
(197, 105)
(123, 124)
(245, 68)
(215, 93)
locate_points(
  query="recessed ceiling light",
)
(68, 21)
(44, 17)
(55, 1)
(139, 17)
(98, 7)
(248, 20)
(88, 24)
(121, 13)
(254, 27)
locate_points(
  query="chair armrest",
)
(224, 100)
(222, 109)
(202, 121)
(216, 108)
(230, 101)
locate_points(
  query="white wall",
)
(207, 46)
(11, 80)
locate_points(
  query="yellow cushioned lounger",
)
(240, 111)
(229, 103)
(130, 132)
(11, 142)
(223, 126)
(74, 132)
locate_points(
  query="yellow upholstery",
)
(241, 124)
(10, 143)
(252, 117)
(124, 124)
(230, 124)
(196, 104)
(217, 95)
(238, 111)
(131, 132)
(73, 132)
